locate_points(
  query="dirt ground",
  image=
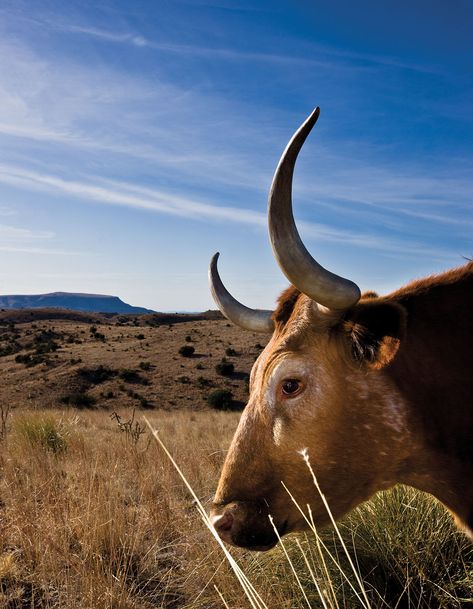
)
(120, 362)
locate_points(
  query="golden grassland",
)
(93, 515)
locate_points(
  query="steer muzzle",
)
(245, 524)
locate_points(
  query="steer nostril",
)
(223, 522)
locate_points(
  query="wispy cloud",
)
(152, 200)
(135, 39)
(20, 240)
(310, 54)
(328, 57)
(42, 251)
(14, 232)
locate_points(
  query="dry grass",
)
(105, 522)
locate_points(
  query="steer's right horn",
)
(305, 273)
(256, 320)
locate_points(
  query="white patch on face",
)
(393, 408)
(394, 413)
(277, 431)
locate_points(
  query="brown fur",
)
(387, 397)
(285, 305)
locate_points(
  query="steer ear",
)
(375, 328)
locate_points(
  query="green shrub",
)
(230, 352)
(79, 400)
(96, 375)
(187, 351)
(132, 376)
(225, 368)
(203, 383)
(145, 366)
(46, 347)
(144, 402)
(41, 431)
(220, 399)
(13, 347)
(29, 360)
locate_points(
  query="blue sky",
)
(138, 138)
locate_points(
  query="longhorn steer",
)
(378, 390)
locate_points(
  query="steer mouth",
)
(258, 541)
(247, 525)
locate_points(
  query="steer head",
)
(318, 385)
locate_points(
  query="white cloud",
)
(158, 201)
(14, 232)
(43, 251)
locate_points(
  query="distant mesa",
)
(90, 303)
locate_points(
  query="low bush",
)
(13, 347)
(29, 360)
(187, 351)
(220, 399)
(132, 376)
(79, 400)
(46, 347)
(225, 368)
(96, 375)
(203, 383)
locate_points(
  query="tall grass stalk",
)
(305, 456)
(221, 596)
(322, 547)
(288, 558)
(314, 579)
(254, 598)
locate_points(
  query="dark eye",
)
(291, 387)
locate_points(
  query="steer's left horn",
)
(250, 319)
(305, 273)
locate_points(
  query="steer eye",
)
(291, 387)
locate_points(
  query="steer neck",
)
(446, 478)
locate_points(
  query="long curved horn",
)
(250, 319)
(296, 263)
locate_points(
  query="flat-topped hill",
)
(99, 303)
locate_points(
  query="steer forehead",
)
(300, 325)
